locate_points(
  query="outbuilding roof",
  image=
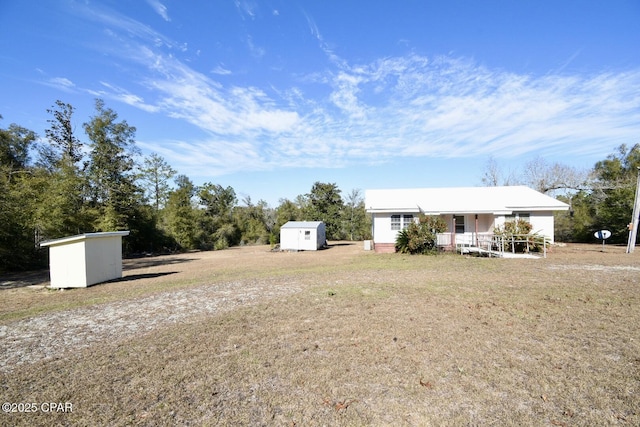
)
(461, 200)
(79, 237)
(302, 224)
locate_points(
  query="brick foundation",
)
(384, 248)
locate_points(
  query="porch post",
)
(453, 233)
(476, 229)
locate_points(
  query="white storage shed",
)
(302, 236)
(86, 259)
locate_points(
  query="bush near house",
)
(517, 236)
(421, 237)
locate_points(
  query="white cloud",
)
(160, 9)
(256, 51)
(246, 8)
(220, 70)
(61, 83)
(119, 94)
(395, 107)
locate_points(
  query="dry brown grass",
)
(366, 340)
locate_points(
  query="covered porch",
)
(467, 229)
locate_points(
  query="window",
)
(399, 222)
(459, 219)
(515, 216)
(407, 219)
(307, 235)
(395, 222)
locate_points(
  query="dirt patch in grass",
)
(337, 337)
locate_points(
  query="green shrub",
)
(519, 230)
(420, 237)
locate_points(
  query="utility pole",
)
(633, 230)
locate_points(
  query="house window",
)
(400, 222)
(407, 219)
(395, 222)
(459, 220)
(513, 217)
(307, 235)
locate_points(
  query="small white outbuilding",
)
(302, 236)
(86, 259)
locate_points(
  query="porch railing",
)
(491, 244)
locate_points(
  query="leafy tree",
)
(63, 210)
(576, 224)
(614, 191)
(357, 226)
(15, 145)
(18, 198)
(218, 227)
(421, 237)
(181, 215)
(324, 203)
(61, 135)
(112, 182)
(287, 211)
(255, 221)
(156, 174)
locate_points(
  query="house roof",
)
(461, 200)
(302, 224)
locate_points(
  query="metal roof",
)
(454, 200)
(86, 236)
(302, 224)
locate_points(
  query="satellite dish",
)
(602, 234)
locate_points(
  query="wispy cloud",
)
(125, 28)
(390, 108)
(246, 8)
(256, 50)
(61, 83)
(122, 95)
(221, 71)
(159, 8)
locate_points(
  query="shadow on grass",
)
(135, 263)
(41, 277)
(136, 277)
(23, 279)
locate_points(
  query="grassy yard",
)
(347, 337)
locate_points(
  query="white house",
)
(302, 236)
(470, 212)
(86, 259)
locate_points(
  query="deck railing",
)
(492, 244)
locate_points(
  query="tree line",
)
(599, 198)
(60, 185)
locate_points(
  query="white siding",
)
(302, 236)
(67, 266)
(542, 223)
(84, 260)
(382, 227)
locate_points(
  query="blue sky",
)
(271, 96)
